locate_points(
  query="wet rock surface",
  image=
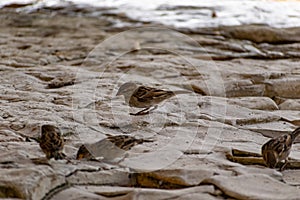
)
(65, 70)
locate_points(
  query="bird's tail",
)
(59, 155)
(295, 133)
(182, 92)
(141, 140)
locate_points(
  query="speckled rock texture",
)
(63, 67)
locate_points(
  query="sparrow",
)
(123, 142)
(52, 142)
(140, 96)
(278, 149)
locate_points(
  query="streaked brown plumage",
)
(278, 149)
(123, 142)
(145, 97)
(52, 142)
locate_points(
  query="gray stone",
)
(260, 34)
(254, 187)
(290, 104)
(102, 177)
(259, 103)
(30, 182)
(118, 193)
(287, 87)
(291, 177)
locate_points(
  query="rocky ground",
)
(64, 68)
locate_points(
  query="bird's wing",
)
(271, 158)
(124, 142)
(147, 93)
(56, 141)
(282, 144)
(270, 152)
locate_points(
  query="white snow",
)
(229, 12)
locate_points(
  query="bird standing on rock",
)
(278, 149)
(52, 142)
(123, 142)
(145, 97)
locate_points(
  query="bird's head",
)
(127, 89)
(47, 128)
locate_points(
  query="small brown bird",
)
(145, 97)
(83, 153)
(213, 14)
(123, 142)
(52, 142)
(278, 149)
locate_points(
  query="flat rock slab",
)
(260, 34)
(255, 186)
(259, 103)
(290, 104)
(171, 178)
(28, 183)
(291, 177)
(285, 87)
(123, 193)
(271, 129)
(105, 177)
(290, 116)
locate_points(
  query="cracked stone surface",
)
(64, 68)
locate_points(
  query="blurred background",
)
(181, 14)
